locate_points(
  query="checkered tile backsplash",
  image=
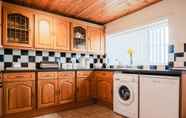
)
(29, 58)
(178, 58)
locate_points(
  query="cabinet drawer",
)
(47, 75)
(19, 76)
(103, 75)
(83, 74)
(63, 75)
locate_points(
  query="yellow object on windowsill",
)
(130, 52)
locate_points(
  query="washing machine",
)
(125, 99)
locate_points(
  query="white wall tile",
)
(16, 52)
(38, 59)
(31, 53)
(45, 53)
(31, 65)
(2, 51)
(51, 59)
(8, 58)
(178, 64)
(24, 59)
(1, 66)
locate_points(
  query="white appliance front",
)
(126, 95)
(159, 96)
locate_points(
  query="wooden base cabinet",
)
(104, 92)
(55, 88)
(47, 93)
(83, 89)
(104, 87)
(83, 92)
(19, 94)
(66, 90)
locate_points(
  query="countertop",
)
(129, 71)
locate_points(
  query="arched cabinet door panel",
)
(96, 40)
(17, 27)
(66, 90)
(47, 93)
(43, 32)
(18, 96)
(79, 37)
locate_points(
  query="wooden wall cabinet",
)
(29, 28)
(19, 94)
(17, 27)
(52, 32)
(43, 31)
(104, 86)
(61, 31)
(96, 41)
(78, 37)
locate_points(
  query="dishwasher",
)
(159, 96)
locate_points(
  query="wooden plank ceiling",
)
(97, 11)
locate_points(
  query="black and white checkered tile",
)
(30, 58)
(179, 58)
(176, 59)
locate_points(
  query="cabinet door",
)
(83, 89)
(79, 37)
(17, 27)
(62, 34)
(93, 88)
(104, 91)
(95, 40)
(43, 31)
(18, 96)
(1, 24)
(66, 90)
(47, 93)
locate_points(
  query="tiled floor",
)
(94, 111)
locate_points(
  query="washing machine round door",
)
(125, 94)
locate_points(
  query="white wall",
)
(173, 10)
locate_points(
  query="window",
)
(149, 45)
